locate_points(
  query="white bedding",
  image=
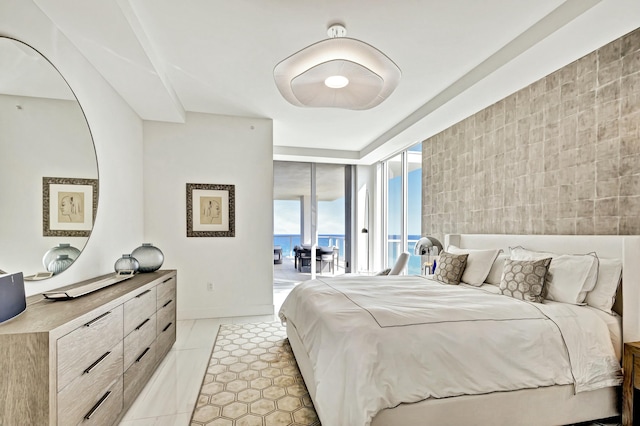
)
(429, 340)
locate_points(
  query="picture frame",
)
(69, 206)
(211, 210)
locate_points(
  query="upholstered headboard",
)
(626, 248)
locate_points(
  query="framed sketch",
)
(211, 210)
(69, 206)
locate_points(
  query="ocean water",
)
(289, 241)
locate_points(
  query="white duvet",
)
(376, 342)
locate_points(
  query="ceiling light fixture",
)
(338, 72)
(336, 81)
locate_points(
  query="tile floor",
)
(171, 394)
(169, 397)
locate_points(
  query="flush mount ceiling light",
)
(339, 72)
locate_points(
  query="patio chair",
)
(400, 264)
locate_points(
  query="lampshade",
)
(423, 245)
(338, 72)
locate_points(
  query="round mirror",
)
(49, 171)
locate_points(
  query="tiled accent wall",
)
(561, 156)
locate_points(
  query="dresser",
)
(85, 360)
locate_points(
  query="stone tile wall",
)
(561, 156)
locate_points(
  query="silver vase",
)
(61, 263)
(62, 248)
(127, 263)
(149, 257)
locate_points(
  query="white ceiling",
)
(167, 57)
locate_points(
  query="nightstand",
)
(631, 383)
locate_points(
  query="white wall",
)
(215, 150)
(117, 134)
(59, 145)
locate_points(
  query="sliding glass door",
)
(310, 207)
(394, 200)
(402, 195)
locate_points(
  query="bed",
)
(559, 381)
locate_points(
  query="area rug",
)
(253, 379)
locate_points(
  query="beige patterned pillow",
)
(450, 267)
(525, 279)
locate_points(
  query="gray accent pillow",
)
(384, 272)
(525, 279)
(450, 267)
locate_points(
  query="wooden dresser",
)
(86, 360)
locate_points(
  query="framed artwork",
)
(69, 206)
(211, 210)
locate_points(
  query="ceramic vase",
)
(149, 257)
(127, 263)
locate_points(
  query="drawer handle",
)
(142, 355)
(143, 293)
(142, 324)
(167, 304)
(95, 320)
(167, 280)
(167, 327)
(95, 364)
(98, 404)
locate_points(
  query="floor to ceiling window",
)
(394, 209)
(309, 208)
(403, 206)
(331, 206)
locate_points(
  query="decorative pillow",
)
(570, 277)
(525, 279)
(384, 272)
(450, 267)
(478, 264)
(603, 295)
(495, 274)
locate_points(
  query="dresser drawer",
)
(79, 349)
(165, 340)
(106, 409)
(138, 374)
(166, 315)
(140, 338)
(77, 398)
(166, 291)
(139, 308)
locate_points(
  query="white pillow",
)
(603, 295)
(495, 274)
(479, 264)
(570, 276)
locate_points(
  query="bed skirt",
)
(553, 405)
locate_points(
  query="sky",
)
(286, 215)
(414, 202)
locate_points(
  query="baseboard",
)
(225, 312)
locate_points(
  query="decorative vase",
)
(127, 263)
(61, 263)
(62, 248)
(149, 257)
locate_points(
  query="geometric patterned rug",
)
(253, 380)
